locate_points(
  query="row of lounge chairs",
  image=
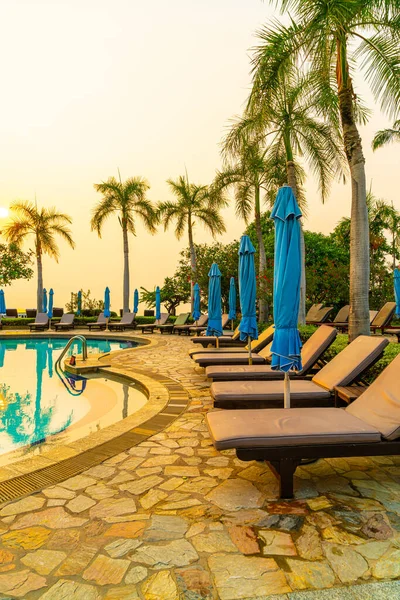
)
(31, 313)
(379, 320)
(258, 429)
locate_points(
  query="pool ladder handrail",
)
(68, 345)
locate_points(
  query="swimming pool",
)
(38, 402)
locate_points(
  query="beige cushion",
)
(238, 372)
(316, 345)
(228, 358)
(263, 339)
(384, 315)
(234, 350)
(342, 315)
(287, 427)
(346, 366)
(379, 405)
(248, 391)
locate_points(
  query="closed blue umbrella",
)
(79, 303)
(135, 301)
(232, 300)
(396, 277)
(44, 307)
(107, 312)
(50, 309)
(196, 314)
(247, 293)
(214, 302)
(286, 345)
(158, 303)
(2, 303)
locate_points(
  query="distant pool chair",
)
(100, 324)
(41, 323)
(150, 327)
(66, 323)
(127, 322)
(12, 313)
(31, 313)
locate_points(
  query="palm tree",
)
(193, 203)
(289, 127)
(336, 38)
(128, 200)
(44, 224)
(385, 136)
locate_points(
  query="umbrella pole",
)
(286, 391)
(249, 345)
(217, 342)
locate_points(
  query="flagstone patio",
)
(172, 518)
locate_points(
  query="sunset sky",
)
(90, 86)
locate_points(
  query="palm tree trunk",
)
(262, 268)
(126, 270)
(193, 262)
(359, 227)
(292, 181)
(39, 293)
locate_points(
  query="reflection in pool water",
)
(35, 402)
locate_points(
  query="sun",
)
(4, 212)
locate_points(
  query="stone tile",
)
(339, 536)
(77, 561)
(159, 461)
(373, 550)
(388, 566)
(126, 592)
(129, 529)
(160, 586)
(132, 463)
(377, 528)
(295, 507)
(100, 491)
(319, 503)
(152, 497)
(139, 486)
(218, 461)
(71, 590)
(112, 507)
(346, 563)
(222, 473)
(30, 538)
(28, 504)
(244, 539)
(145, 472)
(80, 503)
(215, 541)
(194, 583)
(105, 571)
(178, 553)
(136, 574)
(308, 544)
(55, 518)
(172, 484)
(43, 561)
(100, 472)
(55, 502)
(181, 504)
(239, 576)
(79, 482)
(121, 547)
(304, 574)
(283, 522)
(234, 494)
(277, 543)
(20, 583)
(182, 471)
(64, 539)
(122, 477)
(164, 528)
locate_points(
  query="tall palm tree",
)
(290, 127)
(385, 136)
(127, 199)
(194, 203)
(43, 224)
(337, 38)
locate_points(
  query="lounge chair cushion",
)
(316, 345)
(384, 315)
(238, 372)
(287, 427)
(256, 345)
(346, 366)
(248, 391)
(228, 358)
(379, 405)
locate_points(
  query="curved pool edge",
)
(167, 399)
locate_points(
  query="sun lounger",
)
(196, 329)
(67, 322)
(31, 313)
(12, 313)
(261, 353)
(41, 323)
(321, 316)
(224, 340)
(127, 322)
(185, 329)
(344, 369)
(101, 323)
(370, 426)
(384, 317)
(311, 353)
(150, 327)
(170, 327)
(341, 318)
(312, 313)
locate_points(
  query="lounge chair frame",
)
(121, 326)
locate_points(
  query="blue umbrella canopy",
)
(135, 301)
(214, 302)
(50, 309)
(107, 304)
(247, 290)
(158, 303)
(196, 314)
(2, 303)
(44, 307)
(286, 346)
(79, 302)
(232, 299)
(396, 279)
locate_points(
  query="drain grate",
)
(28, 483)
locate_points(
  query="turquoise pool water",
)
(37, 401)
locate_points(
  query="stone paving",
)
(174, 519)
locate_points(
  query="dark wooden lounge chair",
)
(311, 355)
(66, 323)
(185, 329)
(370, 426)
(341, 318)
(150, 327)
(170, 327)
(196, 329)
(321, 316)
(12, 313)
(343, 370)
(223, 341)
(100, 324)
(41, 323)
(127, 322)
(31, 313)
(383, 318)
(312, 313)
(228, 356)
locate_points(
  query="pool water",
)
(38, 401)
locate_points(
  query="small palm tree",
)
(128, 200)
(43, 224)
(194, 203)
(385, 136)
